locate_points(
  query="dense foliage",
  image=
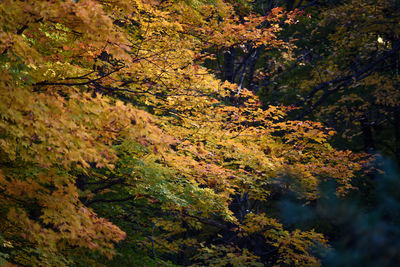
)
(128, 138)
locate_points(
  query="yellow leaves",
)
(254, 223)
(251, 153)
(170, 226)
(57, 121)
(294, 247)
(385, 92)
(60, 207)
(55, 71)
(218, 255)
(76, 131)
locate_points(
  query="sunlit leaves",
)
(107, 102)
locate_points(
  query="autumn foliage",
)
(114, 137)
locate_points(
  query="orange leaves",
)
(63, 219)
(80, 86)
(244, 140)
(80, 130)
(21, 189)
(217, 25)
(231, 32)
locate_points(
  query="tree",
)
(346, 73)
(112, 129)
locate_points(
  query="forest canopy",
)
(198, 133)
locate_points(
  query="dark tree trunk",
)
(229, 65)
(367, 134)
(289, 4)
(252, 69)
(397, 133)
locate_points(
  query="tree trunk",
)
(397, 133)
(253, 63)
(229, 65)
(368, 138)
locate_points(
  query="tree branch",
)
(109, 200)
(347, 80)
